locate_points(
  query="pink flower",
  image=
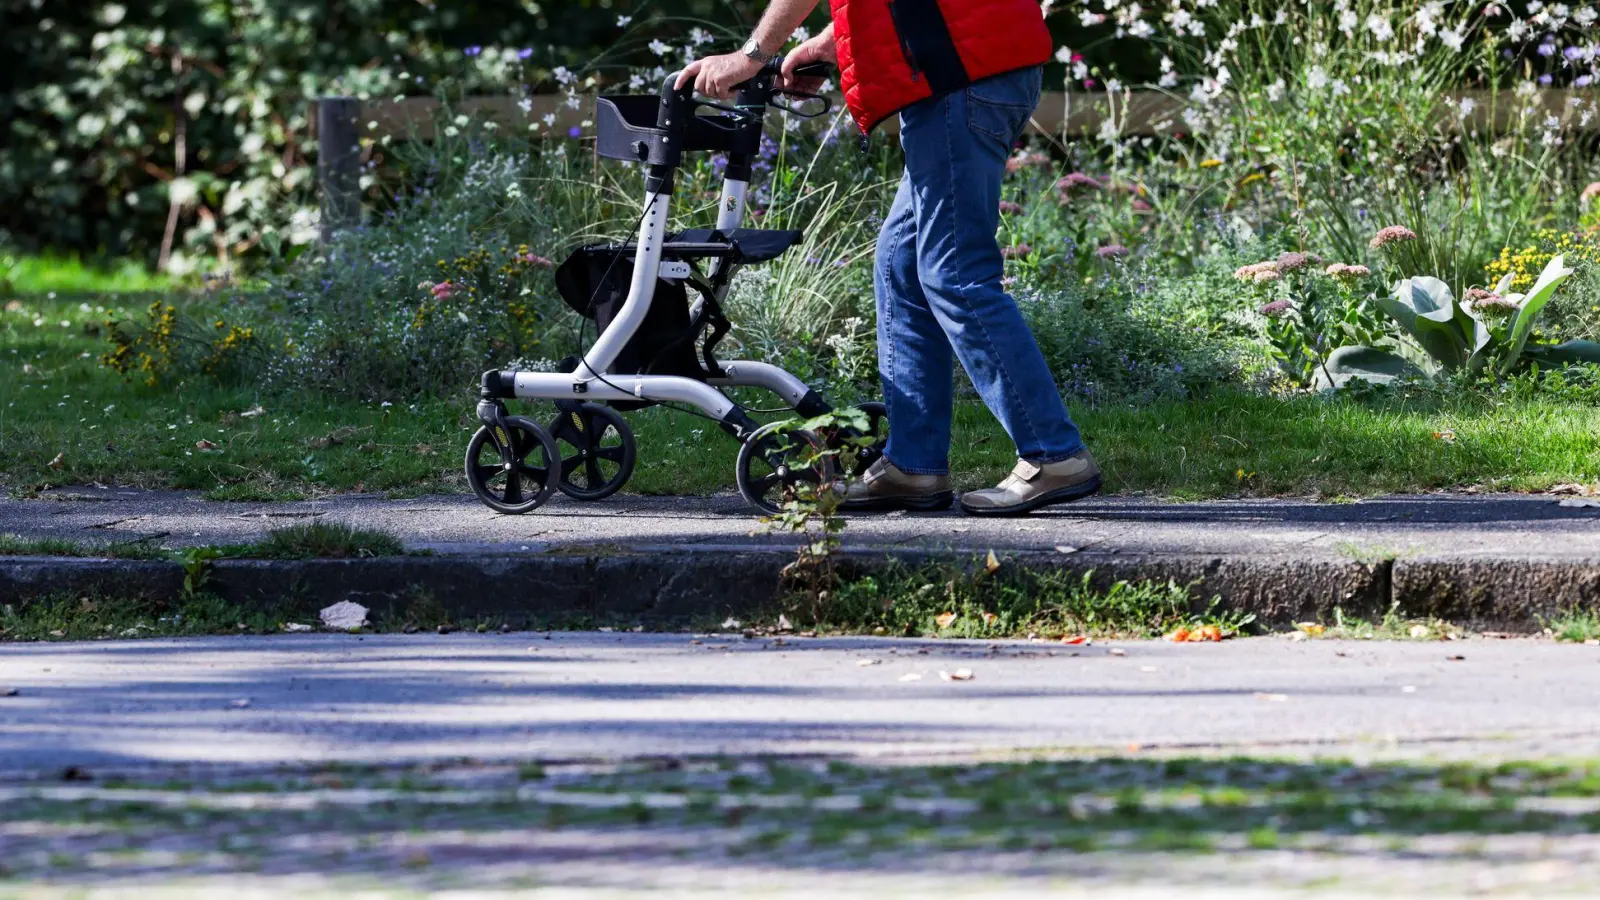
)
(1079, 180)
(1141, 205)
(1394, 234)
(536, 261)
(1589, 194)
(1250, 272)
(443, 290)
(1276, 308)
(1112, 251)
(1266, 275)
(1344, 272)
(1292, 261)
(1025, 160)
(1490, 303)
(1010, 209)
(1018, 251)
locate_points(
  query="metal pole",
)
(339, 163)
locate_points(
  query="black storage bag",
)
(664, 343)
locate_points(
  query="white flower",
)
(1064, 56)
(1348, 21)
(659, 47)
(624, 21)
(525, 104)
(1466, 106)
(1380, 27)
(1453, 38)
(1316, 79)
(549, 119)
(1276, 90)
(1090, 19)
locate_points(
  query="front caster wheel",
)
(878, 431)
(779, 464)
(523, 484)
(597, 450)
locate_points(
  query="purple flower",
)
(1393, 234)
(1547, 49)
(1573, 53)
(524, 53)
(1112, 251)
(1276, 308)
(474, 50)
(1583, 81)
(1545, 79)
(575, 132)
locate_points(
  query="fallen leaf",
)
(295, 627)
(1063, 548)
(1580, 502)
(911, 676)
(1297, 635)
(992, 563)
(945, 619)
(1311, 629)
(988, 618)
(1420, 631)
(957, 675)
(868, 662)
(1075, 639)
(1272, 698)
(1448, 436)
(58, 462)
(58, 633)
(1455, 657)
(1581, 490)
(204, 445)
(344, 616)
(1179, 636)
(1117, 651)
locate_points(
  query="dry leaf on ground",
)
(1448, 436)
(1196, 635)
(1118, 651)
(1075, 639)
(1311, 629)
(1581, 490)
(992, 563)
(203, 444)
(58, 462)
(957, 675)
(988, 618)
(945, 619)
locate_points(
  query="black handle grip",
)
(675, 102)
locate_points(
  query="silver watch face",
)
(752, 49)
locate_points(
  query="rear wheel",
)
(778, 464)
(523, 484)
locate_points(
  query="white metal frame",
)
(593, 379)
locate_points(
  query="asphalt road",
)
(318, 698)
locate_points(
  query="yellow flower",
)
(1210, 163)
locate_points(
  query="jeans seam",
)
(1005, 376)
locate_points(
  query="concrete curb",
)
(661, 585)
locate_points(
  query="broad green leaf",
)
(1426, 309)
(1569, 352)
(1366, 363)
(1554, 273)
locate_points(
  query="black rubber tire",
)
(585, 430)
(878, 427)
(484, 467)
(765, 480)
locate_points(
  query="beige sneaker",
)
(1031, 485)
(885, 487)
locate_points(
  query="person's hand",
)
(717, 76)
(819, 49)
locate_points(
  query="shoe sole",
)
(1061, 495)
(932, 503)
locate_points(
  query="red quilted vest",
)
(893, 53)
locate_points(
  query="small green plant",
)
(1575, 625)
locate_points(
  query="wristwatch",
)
(754, 51)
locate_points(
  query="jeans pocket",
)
(997, 112)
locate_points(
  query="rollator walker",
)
(653, 346)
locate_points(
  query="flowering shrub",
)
(1310, 309)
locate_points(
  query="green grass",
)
(1010, 602)
(59, 401)
(1576, 625)
(32, 274)
(314, 540)
(1147, 819)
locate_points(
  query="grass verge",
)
(976, 826)
(312, 540)
(68, 421)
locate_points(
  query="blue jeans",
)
(938, 284)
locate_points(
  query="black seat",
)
(749, 245)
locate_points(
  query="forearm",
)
(780, 21)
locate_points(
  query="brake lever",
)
(803, 97)
(735, 111)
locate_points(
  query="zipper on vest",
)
(905, 44)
